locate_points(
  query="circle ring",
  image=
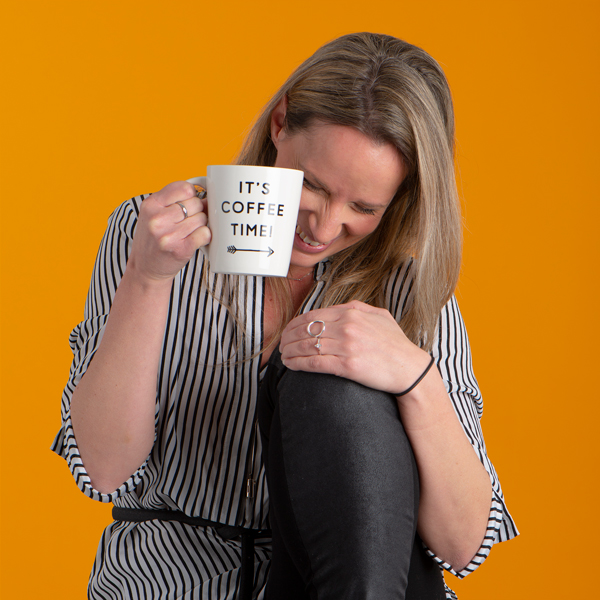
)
(315, 335)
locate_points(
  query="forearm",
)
(113, 406)
(455, 487)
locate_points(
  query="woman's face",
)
(349, 181)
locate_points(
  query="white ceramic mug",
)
(252, 214)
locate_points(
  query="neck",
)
(299, 273)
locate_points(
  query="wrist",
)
(148, 283)
(418, 380)
(427, 405)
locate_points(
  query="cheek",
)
(304, 204)
(309, 201)
(363, 227)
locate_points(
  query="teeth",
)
(305, 238)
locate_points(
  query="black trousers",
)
(344, 492)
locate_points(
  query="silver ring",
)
(184, 209)
(316, 335)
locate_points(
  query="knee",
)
(333, 406)
(334, 397)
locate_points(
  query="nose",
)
(327, 223)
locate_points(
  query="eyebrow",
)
(316, 181)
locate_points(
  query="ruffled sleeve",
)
(87, 335)
(452, 353)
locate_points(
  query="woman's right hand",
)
(164, 239)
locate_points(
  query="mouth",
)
(306, 239)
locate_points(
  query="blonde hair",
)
(393, 92)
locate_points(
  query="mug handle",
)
(200, 181)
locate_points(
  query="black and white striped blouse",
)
(207, 385)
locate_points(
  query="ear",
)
(278, 120)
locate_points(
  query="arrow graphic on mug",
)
(233, 250)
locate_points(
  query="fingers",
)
(199, 236)
(354, 334)
(176, 203)
(177, 208)
(297, 328)
(180, 200)
(335, 313)
(338, 339)
(191, 221)
(343, 318)
(359, 342)
(323, 363)
(184, 209)
(172, 225)
(333, 342)
(177, 191)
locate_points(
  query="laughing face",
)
(349, 181)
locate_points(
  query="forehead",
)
(348, 162)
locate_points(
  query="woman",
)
(163, 418)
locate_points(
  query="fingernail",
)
(200, 192)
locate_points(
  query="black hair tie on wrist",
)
(418, 381)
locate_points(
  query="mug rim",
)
(255, 167)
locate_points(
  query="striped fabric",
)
(205, 411)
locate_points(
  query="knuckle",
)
(154, 226)
(165, 243)
(206, 235)
(350, 316)
(177, 190)
(187, 189)
(338, 369)
(148, 208)
(177, 185)
(162, 193)
(307, 344)
(352, 364)
(313, 362)
(349, 331)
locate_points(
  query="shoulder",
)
(124, 217)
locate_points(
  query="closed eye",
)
(364, 210)
(311, 186)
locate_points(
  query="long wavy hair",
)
(392, 92)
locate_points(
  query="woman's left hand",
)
(359, 342)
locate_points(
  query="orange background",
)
(105, 100)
